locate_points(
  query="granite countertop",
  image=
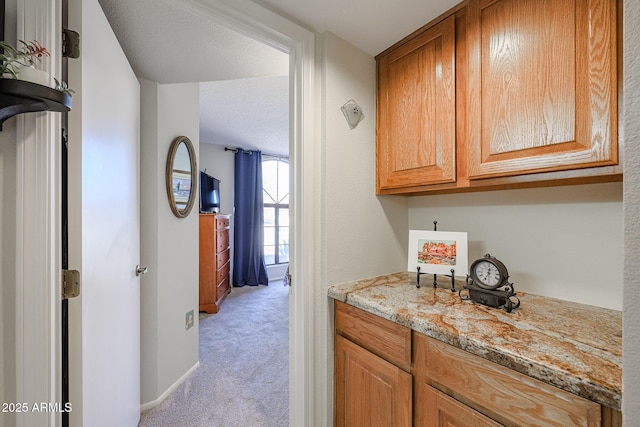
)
(575, 347)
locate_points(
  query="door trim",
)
(38, 253)
(309, 400)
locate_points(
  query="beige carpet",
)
(243, 378)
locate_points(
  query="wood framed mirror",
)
(181, 176)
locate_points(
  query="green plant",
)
(12, 59)
(30, 54)
(63, 87)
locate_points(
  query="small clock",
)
(489, 273)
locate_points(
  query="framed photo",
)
(181, 184)
(438, 252)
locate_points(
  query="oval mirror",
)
(181, 176)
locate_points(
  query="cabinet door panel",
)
(416, 110)
(369, 390)
(542, 86)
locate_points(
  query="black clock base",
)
(491, 298)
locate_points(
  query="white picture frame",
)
(446, 251)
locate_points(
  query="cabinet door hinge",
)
(70, 284)
(70, 44)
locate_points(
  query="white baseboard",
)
(156, 402)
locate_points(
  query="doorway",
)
(259, 24)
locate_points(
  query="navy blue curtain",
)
(248, 258)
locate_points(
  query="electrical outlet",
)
(188, 320)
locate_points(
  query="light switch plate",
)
(188, 320)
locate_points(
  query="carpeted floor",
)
(243, 378)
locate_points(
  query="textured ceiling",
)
(262, 124)
(371, 25)
(244, 89)
(166, 44)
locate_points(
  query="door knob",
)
(141, 270)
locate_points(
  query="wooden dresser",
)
(215, 261)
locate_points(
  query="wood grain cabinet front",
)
(373, 383)
(436, 409)
(496, 392)
(385, 374)
(499, 94)
(416, 111)
(369, 391)
(214, 261)
(542, 86)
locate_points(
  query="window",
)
(275, 183)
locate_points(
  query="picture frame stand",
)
(435, 276)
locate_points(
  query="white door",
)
(104, 226)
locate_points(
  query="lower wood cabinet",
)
(369, 390)
(434, 408)
(388, 375)
(499, 393)
(373, 383)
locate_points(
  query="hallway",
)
(243, 377)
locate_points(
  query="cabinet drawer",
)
(504, 395)
(223, 257)
(222, 222)
(223, 288)
(434, 408)
(223, 272)
(381, 337)
(222, 240)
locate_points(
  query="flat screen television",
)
(209, 193)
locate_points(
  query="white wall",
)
(365, 235)
(631, 136)
(562, 242)
(219, 164)
(169, 245)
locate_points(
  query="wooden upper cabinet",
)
(542, 86)
(416, 111)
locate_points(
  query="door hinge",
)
(65, 138)
(70, 284)
(70, 44)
